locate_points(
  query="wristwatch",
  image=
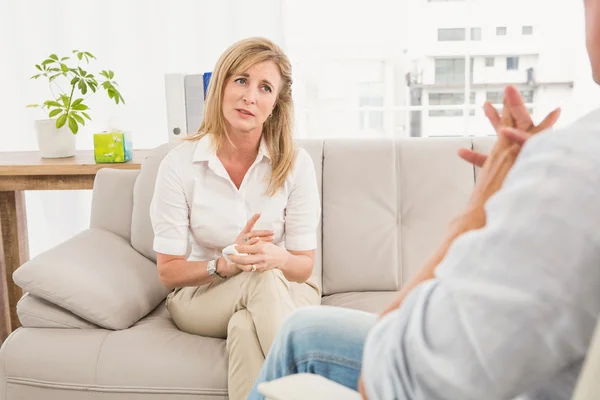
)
(211, 268)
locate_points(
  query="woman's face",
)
(250, 97)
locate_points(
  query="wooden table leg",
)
(13, 226)
(5, 325)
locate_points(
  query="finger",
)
(492, 114)
(548, 122)
(249, 249)
(245, 268)
(253, 240)
(506, 118)
(246, 260)
(261, 233)
(472, 157)
(515, 135)
(250, 223)
(517, 109)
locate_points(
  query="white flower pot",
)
(52, 142)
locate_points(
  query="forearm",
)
(297, 267)
(464, 223)
(182, 273)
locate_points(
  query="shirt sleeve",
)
(169, 211)
(303, 210)
(513, 304)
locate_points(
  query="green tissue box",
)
(112, 147)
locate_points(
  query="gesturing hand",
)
(263, 256)
(514, 115)
(247, 234)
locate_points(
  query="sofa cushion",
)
(152, 359)
(142, 234)
(35, 312)
(374, 302)
(97, 276)
(386, 206)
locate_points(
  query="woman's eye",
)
(267, 88)
(240, 80)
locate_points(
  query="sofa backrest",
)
(386, 205)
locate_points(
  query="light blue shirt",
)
(513, 307)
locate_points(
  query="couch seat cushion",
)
(151, 357)
(374, 302)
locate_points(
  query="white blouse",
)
(196, 203)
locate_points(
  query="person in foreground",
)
(507, 306)
(240, 169)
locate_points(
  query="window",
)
(496, 97)
(512, 63)
(449, 99)
(501, 31)
(450, 71)
(527, 96)
(451, 34)
(475, 34)
(489, 61)
(527, 30)
(371, 96)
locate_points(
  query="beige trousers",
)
(248, 310)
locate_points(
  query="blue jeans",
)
(326, 341)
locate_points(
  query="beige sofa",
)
(94, 321)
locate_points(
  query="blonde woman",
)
(241, 169)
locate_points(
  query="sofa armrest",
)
(97, 276)
(306, 387)
(112, 201)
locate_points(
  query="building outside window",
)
(451, 34)
(501, 31)
(512, 63)
(527, 30)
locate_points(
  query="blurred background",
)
(371, 69)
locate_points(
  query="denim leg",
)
(326, 341)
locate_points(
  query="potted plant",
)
(70, 86)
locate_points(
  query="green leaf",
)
(60, 122)
(65, 99)
(104, 74)
(64, 68)
(111, 94)
(64, 58)
(86, 115)
(32, 105)
(48, 61)
(78, 118)
(82, 87)
(54, 57)
(55, 112)
(73, 125)
(52, 103)
(35, 76)
(80, 107)
(80, 56)
(93, 87)
(76, 102)
(75, 51)
(38, 67)
(89, 54)
(74, 80)
(111, 74)
(53, 77)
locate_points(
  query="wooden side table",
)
(20, 171)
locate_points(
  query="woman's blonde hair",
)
(277, 129)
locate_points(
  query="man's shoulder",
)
(580, 138)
